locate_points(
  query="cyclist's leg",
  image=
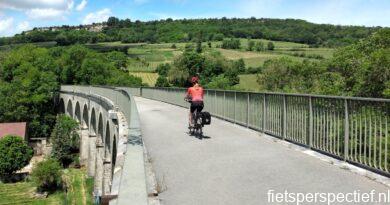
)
(190, 116)
(198, 108)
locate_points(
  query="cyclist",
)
(195, 96)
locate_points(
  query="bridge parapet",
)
(111, 143)
(349, 128)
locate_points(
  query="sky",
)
(21, 15)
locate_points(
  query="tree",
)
(28, 84)
(62, 40)
(65, 139)
(270, 46)
(218, 37)
(251, 45)
(162, 82)
(118, 59)
(47, 175)
(163, 69)
(199, 46)
(188, 64)
(231, 44)
(364, 65)
(219, 82)
(112, 21)
(14, 155)
(239, 66)
(259, 46)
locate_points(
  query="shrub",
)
(162, 82)
(163, 69)
(251, 45)
(231, 44)
(14, 155)
(65, 139)
(47, 175)
(270, 46)
(259, 46)
(219, 82)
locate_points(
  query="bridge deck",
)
(234, 165)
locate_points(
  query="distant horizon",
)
(17, 16)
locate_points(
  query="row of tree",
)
(213, 69)
(361, 69)
(185, 30)
(30, 78)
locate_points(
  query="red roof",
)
(14, 128)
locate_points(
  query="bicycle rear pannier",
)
(206, 118)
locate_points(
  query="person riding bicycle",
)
(195, 97)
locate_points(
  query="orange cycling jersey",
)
(196, 93)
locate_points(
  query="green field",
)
(79, 191)
(143, 59)
(148, 78)
(147, 58)
(22, 193)
(248, 82)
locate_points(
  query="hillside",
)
(185, 30)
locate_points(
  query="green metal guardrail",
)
(349, 128)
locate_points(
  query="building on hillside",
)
(14, 128)
(95, 27)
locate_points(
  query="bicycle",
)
(197, 122)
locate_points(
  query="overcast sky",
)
(19, 15)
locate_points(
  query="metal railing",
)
(353, 129)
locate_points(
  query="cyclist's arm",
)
(188, 94)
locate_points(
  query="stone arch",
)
(93, 122)
(100, 127)
(85, 119)
(85, 135)
(107, 145)
(77, 112)
(113, 155)
(61, 108)
(99, 157)
(69, 108)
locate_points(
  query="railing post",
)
(284, 117)
(223, 104)
(310, 143)
(215, 102)
(235, 103)
(264, 111)
(247, 110)
(346, 129)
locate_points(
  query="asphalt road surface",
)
(232, 165)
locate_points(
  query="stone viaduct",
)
(105, 135)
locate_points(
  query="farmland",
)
(147, 77)
(143, 58)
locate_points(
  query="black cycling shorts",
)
(198, 106)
